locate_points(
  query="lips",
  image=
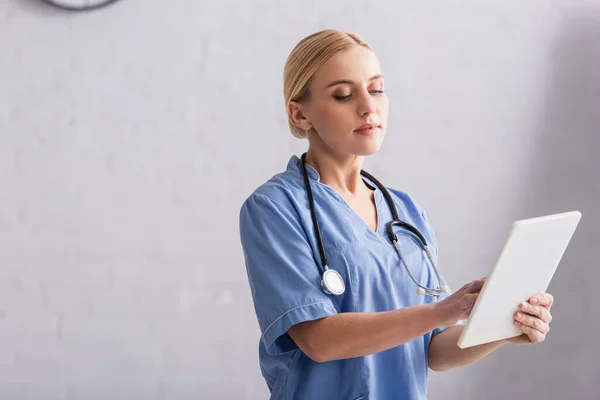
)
(367, 129)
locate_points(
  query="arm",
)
(349, 335)
(444, 354)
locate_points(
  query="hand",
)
(459, 304)
(533, 319)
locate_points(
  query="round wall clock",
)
(79, 5)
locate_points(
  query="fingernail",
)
(534, 300)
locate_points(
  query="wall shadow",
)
(564, 176)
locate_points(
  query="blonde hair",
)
(304, 61)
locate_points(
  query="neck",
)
(341, 172)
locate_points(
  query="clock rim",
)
(103, 4)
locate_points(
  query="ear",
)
(296, 112)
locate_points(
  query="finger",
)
(532, 322)
(472, 297)
(542, 299)
(539, 311)
(475, 286)
(534, 335)
(467, 286)
(469, 302)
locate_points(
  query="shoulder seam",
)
(267, 198)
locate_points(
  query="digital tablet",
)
(524, 268)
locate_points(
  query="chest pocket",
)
(379, 280)
(339, 259)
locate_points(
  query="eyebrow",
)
(349, 82)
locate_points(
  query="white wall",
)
(130, 136)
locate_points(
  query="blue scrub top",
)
(283, 265)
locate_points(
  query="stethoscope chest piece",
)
(332, 282)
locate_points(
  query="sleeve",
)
(282, 272)
(435, 254)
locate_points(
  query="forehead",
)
(356, 64)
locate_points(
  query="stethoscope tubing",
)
(392, 236)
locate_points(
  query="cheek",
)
(334, 118)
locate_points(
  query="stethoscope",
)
(332, 282)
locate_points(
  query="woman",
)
(360, 330)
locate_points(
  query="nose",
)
(367, 104)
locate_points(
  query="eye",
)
(341, 98)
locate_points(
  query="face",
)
(348, 108)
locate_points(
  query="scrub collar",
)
(295, 164)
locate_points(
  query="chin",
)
(369, 147)
(368, 150)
